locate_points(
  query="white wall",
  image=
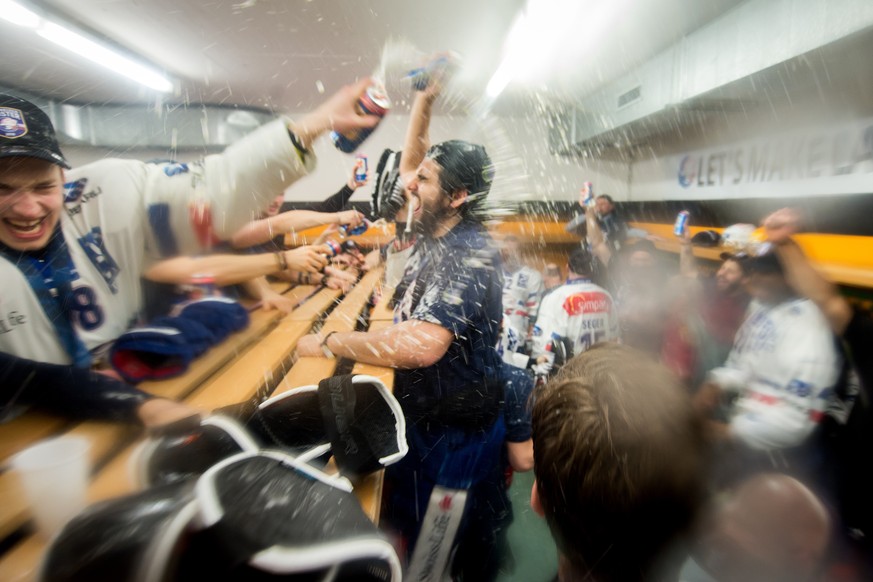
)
(519, 148)
(816, 143)
(525, 170)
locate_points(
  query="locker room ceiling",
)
(281, 53)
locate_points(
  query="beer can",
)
(360, 229)
(360, 169)
(681, 223)
(441, 66)
(374, 101)
(334, 247)
(589, 196)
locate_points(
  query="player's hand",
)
(372, 260)
(686, 233)
(272, 300)
(340, 113)
(339, 284)
(583, 195)
(780, 226)
(349, 276)
(440, 69)
(309, 346)
(311, 259)
(353, 182)
(351, 218)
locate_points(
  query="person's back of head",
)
(619, 459)
(581, 263)
(509, 249)
(552, 276)
(771, 528)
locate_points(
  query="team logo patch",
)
(587, 302)
(73, 190)
(175, 169)
(12, 123)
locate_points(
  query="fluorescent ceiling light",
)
(518, 37)
(18, 14)
(85, 47)
(547, 32)
(104, 56)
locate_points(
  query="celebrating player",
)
(71, 246)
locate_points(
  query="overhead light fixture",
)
(543, 33)
(79, 43)
(518, 36)
(18, 14)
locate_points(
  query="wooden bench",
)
(110, 442)
(248, 368)
(106, 437)
(308, 371)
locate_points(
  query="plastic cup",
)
(520, 360)
(54, 476)
(729, 379)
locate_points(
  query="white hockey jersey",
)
(522, 290)
(120, 214)
(579, 311)
(790, 359)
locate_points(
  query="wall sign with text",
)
(812, 162)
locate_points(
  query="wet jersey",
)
(580, 312)
(522, 290)
(454, 422)
(454, 282)
(117, 216)
(790, 359)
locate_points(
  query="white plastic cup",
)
(54, 476)
(520, 360)
(729, 379)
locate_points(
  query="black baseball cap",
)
(766, 263)
(27, 132)
(706, 238)
(465, 165)
(581, 262)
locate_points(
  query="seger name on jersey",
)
(593, 324)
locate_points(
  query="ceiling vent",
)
(630, 97)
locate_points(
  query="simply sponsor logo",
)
(588, 302)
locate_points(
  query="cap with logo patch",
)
(27, 132)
